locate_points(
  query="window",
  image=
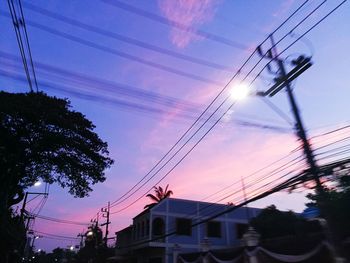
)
(143, 233)
(158, 227)
(138, 230)
(241, 229)
(183, 226)
(214, 229)
(155, 260)
(147, 228)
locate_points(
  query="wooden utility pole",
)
(283, 80)
(106, 215)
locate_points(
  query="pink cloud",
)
(223, 157)
(191, 13)
(285, 7)
(280, 12)
(216, 169)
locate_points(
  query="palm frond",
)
(154, 198)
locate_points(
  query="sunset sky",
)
(131, 69)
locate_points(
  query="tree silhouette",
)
(335, 201)
(160, 194)
(42, 138)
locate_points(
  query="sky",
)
(143, 71)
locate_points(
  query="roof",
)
(169, 199)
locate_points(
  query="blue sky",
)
(137, 140)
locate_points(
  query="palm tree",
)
(160, 194)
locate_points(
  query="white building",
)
(160, 232)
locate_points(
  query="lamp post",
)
(251, 241)
(205, 247)
(176, 250)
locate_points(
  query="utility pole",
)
(23, 209)
(283, 80)
(81, 235)
(106, 215)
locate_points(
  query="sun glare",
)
(239, 91)
(38, 183)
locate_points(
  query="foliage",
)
(334, 204)
(43, 138)
(57, 255)
(272, 223)
(13, 236)
(94, 250)
(160, 194)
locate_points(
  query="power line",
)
(330, 132)
(207, 109)
(159, 169)
(106, 85)
(54, 235)
(300, 36)
(62, 221)
(97, 98)
(256, 182)
(265, 54)
(329, 144)
(28, 45)
(118, 53)
(16, 25)
(228, 210)
(123, 38)
(176, 24)
(255, 173)
(277, 110)
(185, 113)
(297, 179)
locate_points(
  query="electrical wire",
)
(28, 45)
(54, 235)
(226, 86)
(16, 25)
(344, 1)
(176, 24)
(123, 38)
(300, 36)
(228, 210)
(250, 175)
(330, 132)
(278, 111)
(62, 221)
(182, 114)
(118, 53)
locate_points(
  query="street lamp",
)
(205, 245)
(37, 183)
(251, 237)
(240, 91)
(251, 241)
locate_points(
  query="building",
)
(146, 240)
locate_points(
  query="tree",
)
(335, 201)
(272, 223)
(160, 194)
(42, 138)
